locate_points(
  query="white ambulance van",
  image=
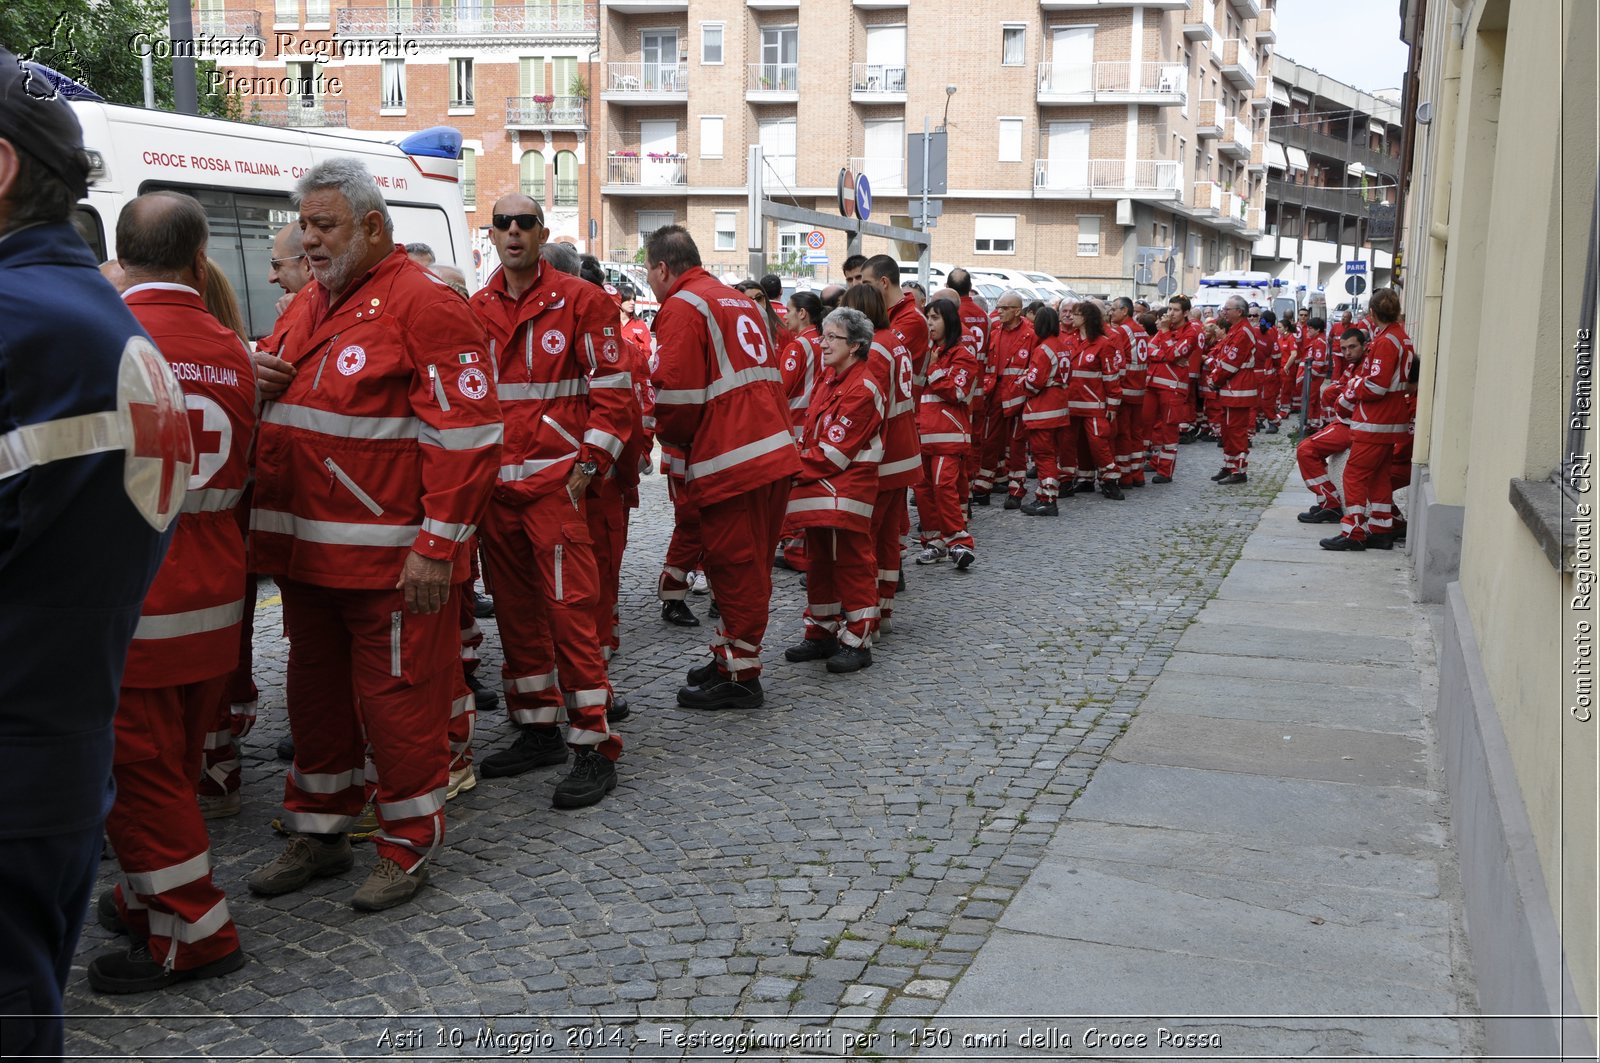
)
(243, 175)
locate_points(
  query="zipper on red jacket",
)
(394, 643)
(438, 388)
(316, 380)
(340, 476)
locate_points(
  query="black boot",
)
(720, 692)
(618, 710)
(850, 659)
(811, 650)
(1342, 542)
(980, 499)
(1041, 507)
(1320, 514)
(677, 611)
(1236, 478)
(1013, 502)
(535, 747)
(1112, 490)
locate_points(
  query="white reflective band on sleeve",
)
(607, 442)
(171, 877)
(903, 465)
(325, 783)
(739, 455)
(212, 500)
(530, 684)
(529, 469)
(944, 437)
(1244, 393)
(835, 455)
(412, 808)
(333, 533)
(459, 533)
(832, 503)
(620, 381)
(533, 390)
(167, 925)
(681, 397)
(194, 622)
(69, 437)
(346, 426)
(723, 385)
(481, 435)
(1380, 429)
(1041, 415)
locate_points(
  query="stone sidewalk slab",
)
(1202, 694)
(1262, 639)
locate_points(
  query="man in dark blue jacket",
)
(94, 460)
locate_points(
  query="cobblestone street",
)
(829, 863)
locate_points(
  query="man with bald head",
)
(566, 394)
(289, 270)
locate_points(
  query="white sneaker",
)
(698, 584)
(932, 555)
(963, 555)
(461, 780)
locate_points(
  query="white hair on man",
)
(563, 257)
(354, 181)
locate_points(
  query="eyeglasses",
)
(525, 222)
(278, 263)
(835, 336)
(1003, 306)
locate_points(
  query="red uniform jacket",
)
(1233, 367)
(565, 391)
(802, 367)
(387, 439)
(189, 628)
(1169, 359)
(719, 394)
(943, 424)
(1135, 373)
(838, 479)
(1374, 398)
(1196, 339)
(890, 364)
(975, 325)
(1045, 384)
(906, 319)
(637, 333)
(1012, 350)
(640, 438)
(1095, 386)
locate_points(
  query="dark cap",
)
(34, 118)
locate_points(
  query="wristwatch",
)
(588, 468)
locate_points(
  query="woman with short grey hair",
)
(832, 499)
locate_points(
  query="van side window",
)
(87, 221)
(243, 225)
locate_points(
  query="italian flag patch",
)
(467, 357)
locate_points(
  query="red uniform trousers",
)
(220, 764)
(546, 588)
(1312, 455)
(1016, 456)
(463, 707)
(1368, 488)
(365, 674)
(942, 501)
(1090, 447)
(1127, 443)
(740, 535)
(1042, 443)
(996, 430)
(155, 826)
(608, 527)
(888, 518)
(1238, 422)
(685, 550)
(1165, 409)
(841, 593)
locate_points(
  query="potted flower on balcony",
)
(544, 99)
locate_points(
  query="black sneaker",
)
(980, 499)
(618, 710)
(592, 776)
(963, 557)
(535, 747)
(1321, 515)
(482, 697)
(701, 674)
(1112, 491)
(1158, 478)
(811, 650)
(850, 659)
(1342, 542)
(1380, 541)
(1221, 475)
(136, 971)
(1040, 508)
(1013, 502)
(677, 611)
(723, 693)
(1236, 478)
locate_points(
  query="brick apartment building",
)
(1080, 132)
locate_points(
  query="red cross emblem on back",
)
(160, 450)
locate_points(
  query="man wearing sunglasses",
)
(566, 393)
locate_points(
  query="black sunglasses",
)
(525, 222)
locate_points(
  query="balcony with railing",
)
(1236, 139)
(633, 171)
(1206, 198)
(773, 83)
(877, 83)
(1078, 178)
(1334, 147)
(886, 173)
(1238, 63)
(470, 19)
(1089, 5)
(544, 112)
(1199, 24)
(298, 112)
(1235, 208)
(1210, 116)
(1112, 82)
(1266, 32)
(1338, 200)
(1245, 8)
(227, 33)
(641, 83)
(647, 7)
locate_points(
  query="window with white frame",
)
(711, 136)
(461, 83)
(710, 44)
(726, 232)
(1010, 140)
(394, 85)
(317, 14)
(994, 234)
(1013, 45)
(286, 13)
(1088, 235)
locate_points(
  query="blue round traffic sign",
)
(863, 197)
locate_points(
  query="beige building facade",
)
(1080, 133)
(1499, 270)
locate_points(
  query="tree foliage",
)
(97, 42)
